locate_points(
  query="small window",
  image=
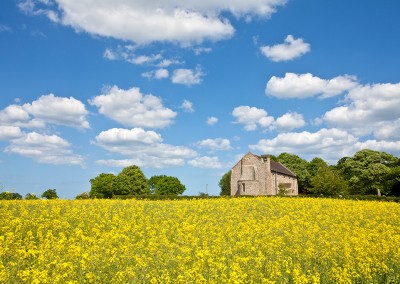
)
(244, 188)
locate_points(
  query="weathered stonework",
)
(258, 175)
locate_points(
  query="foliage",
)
(225, 184)
(102, 186)
(203, 194)
(297, 165)
(366, 171)
(31, 196)
(130, 180)
(329, 182)
(392, 186)
(166, 185)
(6, 195)
(50, 194)
(83, 195)
(224, 240)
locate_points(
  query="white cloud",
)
(157, 74)
(290, 49)
(144, 59)
(132, 108)
(212, 120)
(252, 117)
(187, 106)
(289, 121)
(306, 85)
(206, 163)
(200, 50)
(9, 132)
(110, 54)
(161, 73)
(143, 148)
(58, 110)
(47, 109)
(187, 77)
(329, 144)
(369, 109)
(47, 149)
(143, 22)
(215, 144)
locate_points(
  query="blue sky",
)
(185, 88)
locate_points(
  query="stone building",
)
(258, 175)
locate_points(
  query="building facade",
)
(258, 175)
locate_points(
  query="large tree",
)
(130, 180)
(166, 185)
(367, 171)
(50, 194)
(225, 184)
(328, 181)
(102, 186)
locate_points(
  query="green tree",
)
(329, 182)
(315, 165)
(367, 171)
(166, 185)
(130, 180)
(6, 195)
(102, 186)
(31, 196)
(392, 186)
(50, 194)
(225, 184)
(297, 165)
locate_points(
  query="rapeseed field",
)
(257, 240)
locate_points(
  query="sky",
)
(186, 88)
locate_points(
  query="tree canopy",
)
(50, 194)
(166, 185)
(102, 186)
(367, 171)
(225, 184)
(130, 180)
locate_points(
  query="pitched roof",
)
(278, 167)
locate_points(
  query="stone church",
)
(259, 175)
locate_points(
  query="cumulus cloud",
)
(143, 22)
(290, 49)
(206, 162)
(212, 120)
(307, 85)
(58, 110)
(132, 108)
(369, 109)
(289, 121)
(187, 106)
(46, 149)
(9, 132)
(187, 77)
(144, 148)
(47, 109)
(215, 144)
(252, 117)
(329, 144)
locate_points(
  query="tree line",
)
(132, 181)
(366, 172)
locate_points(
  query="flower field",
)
(244, 240)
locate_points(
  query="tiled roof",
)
(278, 167)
